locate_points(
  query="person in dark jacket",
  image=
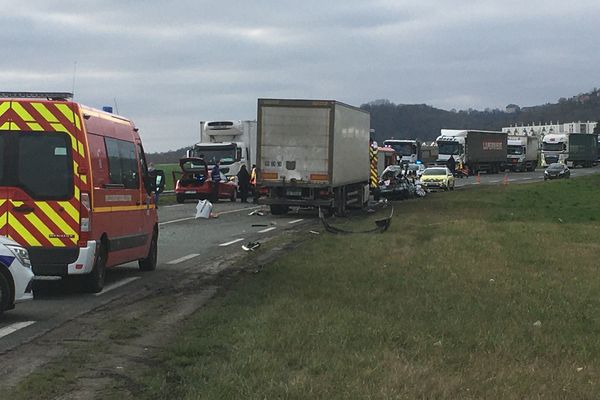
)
(451, 164)
(215, 177)
(243, 178)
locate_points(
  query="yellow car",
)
(437, 178)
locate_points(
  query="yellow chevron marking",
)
(77, 122)
(58, 221)
(21, 112)
(4, 106)
(5, 126)
(24, 233)
(61, 128)
(34, 126)
(68, 113)
(14, 127)
(80, 149)
(76, 192)
(72, 211)
(41, 108)
(83, 179)
(43, 229)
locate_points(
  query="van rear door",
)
(39, 152)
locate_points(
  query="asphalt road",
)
(184, 242)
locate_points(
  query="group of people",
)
(246, 182)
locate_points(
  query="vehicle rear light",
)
(318, 177)
(269, 175)
(85, 201)
(85, 223)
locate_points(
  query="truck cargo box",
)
(312, 142)
(583, 147)
(484, 147)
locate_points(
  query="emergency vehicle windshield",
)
(40, 163)
(405, 149)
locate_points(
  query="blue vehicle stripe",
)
(6, 260)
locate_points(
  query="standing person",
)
(451, 164)
(152, 174)
(215, 176)
(243, 178)
(253, 184)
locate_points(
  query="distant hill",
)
(424, 122)
(167, 157)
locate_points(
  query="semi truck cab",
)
(555, 149)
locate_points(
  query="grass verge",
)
(485, 293)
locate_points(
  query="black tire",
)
(5, 300)
(94, 281)
(149, 263)
(180, 198)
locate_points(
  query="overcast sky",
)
(170, 64)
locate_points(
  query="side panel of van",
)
(42, 160)
(120, 207)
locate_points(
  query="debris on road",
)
(204, 209)
(257, 212)
(251, 246)
(315, 232)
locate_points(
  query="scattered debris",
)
(315, 232)
(537, 324)
(381, 225)
(560, 220)
(492, 280)
(251, 246)
(438, 343)
(579, 369)
(260, 224)
(257, 212)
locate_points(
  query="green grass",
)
(442, 305)
(168, 169)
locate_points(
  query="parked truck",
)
(475, 150)
(555, 148)
(522, 153)
(583, 149)
(312, 153)
(408, 150)
(233, 143)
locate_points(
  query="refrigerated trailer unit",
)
(312, 153)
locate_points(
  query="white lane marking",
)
(117, 285)
(182, 259)
(526, 179)
(173, 205)
(175, 220)
(232, 242)
(495, 181)
(268, 229)
(7, 330)
(296, 221)
(216, 213)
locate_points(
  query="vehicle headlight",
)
(21, 253)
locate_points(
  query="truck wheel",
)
(180, 198)
(4, 294)
(94, 281)
(149, 263)
(278, 209)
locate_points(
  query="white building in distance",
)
(542, 130)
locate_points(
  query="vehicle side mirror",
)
(159, 181)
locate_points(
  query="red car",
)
(194, 182)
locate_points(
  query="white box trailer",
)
(312, 153)
(522, 153)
